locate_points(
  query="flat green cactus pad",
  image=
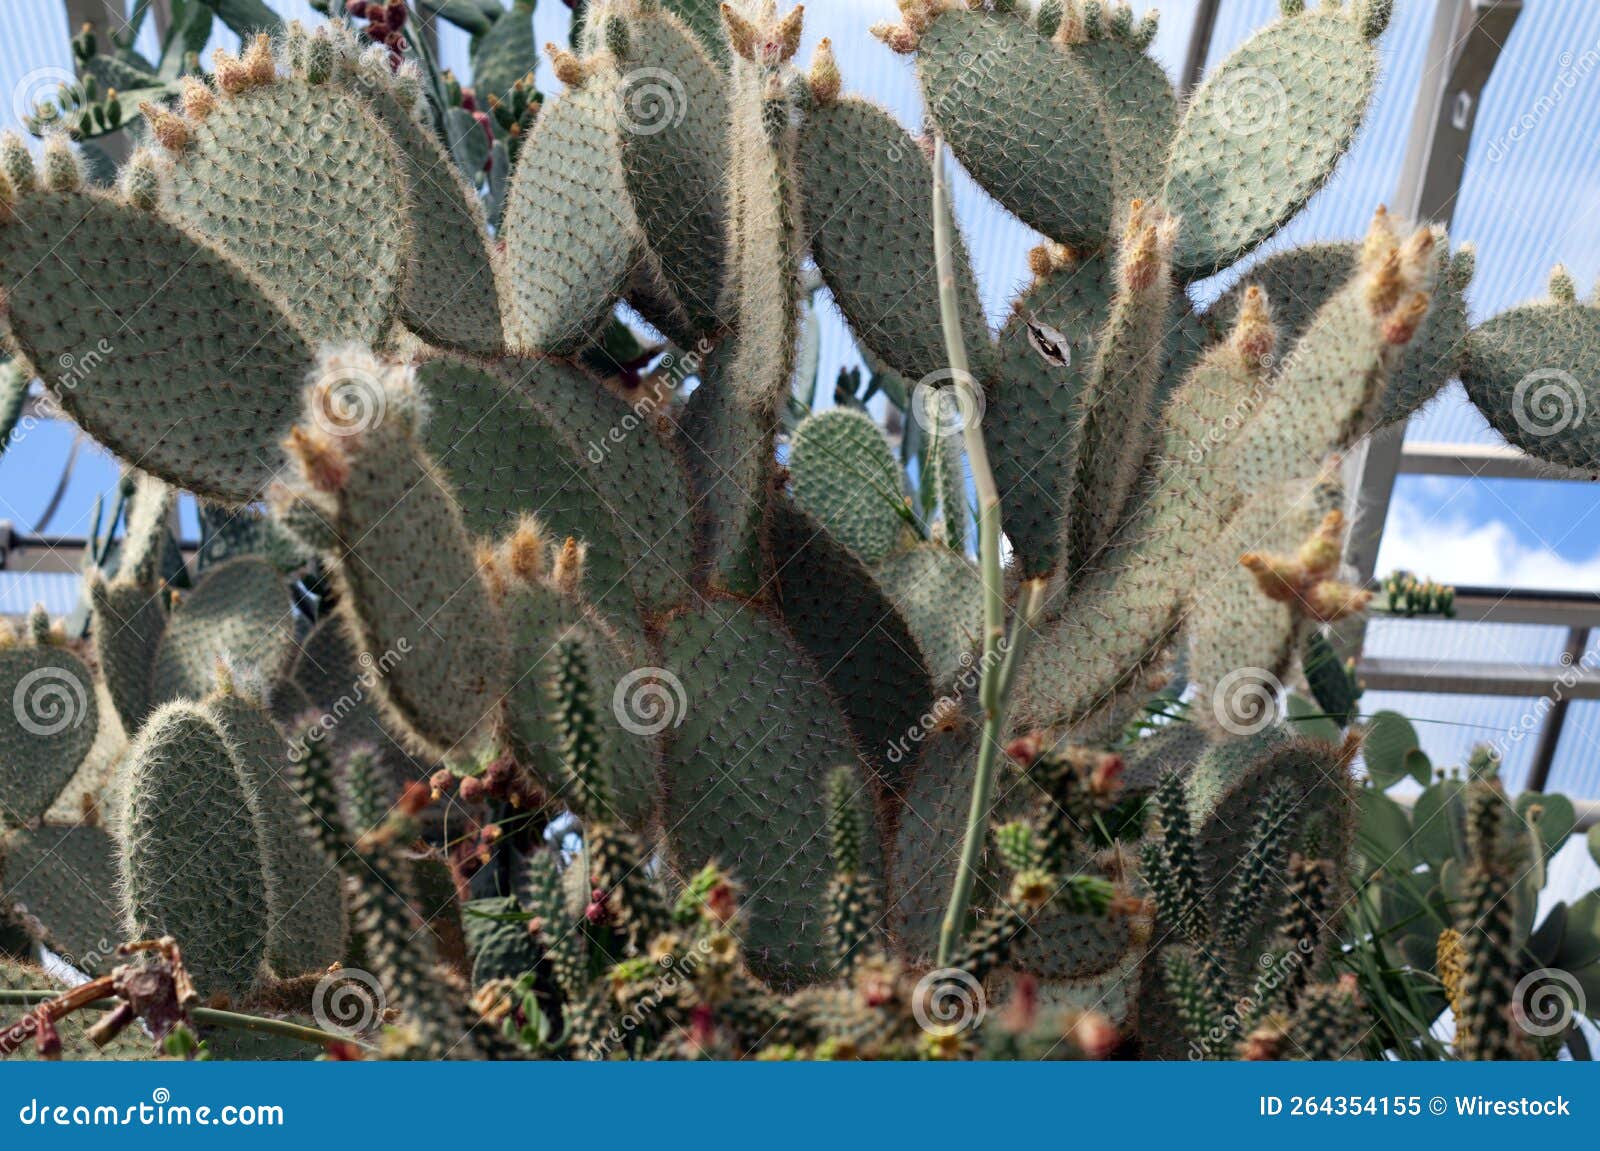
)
(841, 615)
(90, 281)
(672, 120)
(307, 927)
(48, 719)
(63, 882)
(729, 479)
(736, 763)
(845, 474)
(449, 296)
(634, 471)
(1534, 372)
(189, 813)
(1034, 413)
(1140, 109)
(413, 591)
(570, 229)
(1264, 132)
(868, 195)
(271, 173)
(940, 593)
(240, 614)
(1023, 118)
(506, 458)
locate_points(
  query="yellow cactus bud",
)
(900, 39)
(525, 550)
(1401, 324)
(742, 34)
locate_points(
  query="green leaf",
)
(1385, 832)
(1556, 818)
(1418, 766)
(1439, 822)
(1390, 737)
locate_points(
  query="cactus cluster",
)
(658, 671)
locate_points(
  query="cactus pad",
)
(1264, 132)
(62, 882)
(1023, 118)
(190, 815)
(735, 763)
(845, 475)
(239, 614)
(83, 274)
(48, 719)
(270, 172)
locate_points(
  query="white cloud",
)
(1453, 549)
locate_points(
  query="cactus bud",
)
(900, 39)
(570, 70)
(320, 459)
(786, 36)
(171, 131)
(1254, 334)
(197, 99)
(1402, 323)
(525, 550)
(1562, 289)
(62, 171)
(258, 61)
(233, 75)
(568, 569)
(825, 79)
(16, 162)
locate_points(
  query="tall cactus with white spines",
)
(293, 293)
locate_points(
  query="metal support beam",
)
(1481, 461)
(1461, 53)
(1544, 752)
(1528, 681)
(1194, 57)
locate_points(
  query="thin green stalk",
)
(999, 668)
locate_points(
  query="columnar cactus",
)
(750, 693)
